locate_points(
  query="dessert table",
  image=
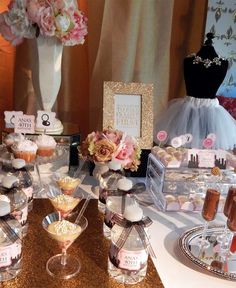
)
(91, 247)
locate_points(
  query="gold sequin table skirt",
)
(91, 247)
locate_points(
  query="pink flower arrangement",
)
(110, 144)
(54, 18)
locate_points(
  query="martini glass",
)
(63, 203)
(63, 265)
(69, 183)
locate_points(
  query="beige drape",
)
(133, 46)
(128, 41)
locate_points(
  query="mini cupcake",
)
(12, 138)
(25, 149)
(46, 145)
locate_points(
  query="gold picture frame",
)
(129, 107)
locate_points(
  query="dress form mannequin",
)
(199, 113)
(202, 81)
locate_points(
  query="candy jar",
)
(17, 199)
(108, 183)
(128, 253)
(115, 204)
(25, 179)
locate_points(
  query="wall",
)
(221, 20)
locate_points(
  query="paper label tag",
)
(45, 119)
(198, 158)
(28, 192)
(212, 136)
(5, 256)
(207, 143)
(176, 142)
(10, 118)
(24, 124)
(189, 137)
(132, 260)
(161, 136)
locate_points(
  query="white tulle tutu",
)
(199, 117)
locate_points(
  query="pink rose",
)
(46, 22)
(77, 33)
(113, 135)
(33, 7)
(125, 152)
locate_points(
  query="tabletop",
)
(91, 247)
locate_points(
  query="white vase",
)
(49, 72)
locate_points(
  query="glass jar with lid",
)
(17, 199)
(108, 182)
(25, 179)
(128, 255)
(10, 244)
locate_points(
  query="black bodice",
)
(204, 72)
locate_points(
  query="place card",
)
(24, 124)
(206, 158)
(10, 118)
(45, 119)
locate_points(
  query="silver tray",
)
(188, 245)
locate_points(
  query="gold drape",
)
(7, 58)
(129, 41)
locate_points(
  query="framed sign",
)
(129, 107)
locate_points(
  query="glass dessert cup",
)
(63, 265)
(64, 204)
(69, 184)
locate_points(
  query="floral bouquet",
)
(53, 18)
(111, 144)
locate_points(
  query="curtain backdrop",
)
(7, 58)
(128, 41)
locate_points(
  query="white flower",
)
(70, 3)
(62, 22)
(19, 23)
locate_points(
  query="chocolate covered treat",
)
(229, 200)
(210, 204)
(232, 216)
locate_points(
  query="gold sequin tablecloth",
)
(91, 247)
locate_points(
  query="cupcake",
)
(46, 145)
(25, 149)
(12, 138)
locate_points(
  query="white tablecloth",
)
(174, 269)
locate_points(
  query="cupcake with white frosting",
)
(46, 145)
(11, 139)
(25, 149)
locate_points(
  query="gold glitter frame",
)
(146, 118)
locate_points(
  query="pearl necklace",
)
(206, 62)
